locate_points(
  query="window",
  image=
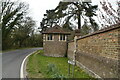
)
(62, 37)
(50, 37)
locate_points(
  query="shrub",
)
(53, 70)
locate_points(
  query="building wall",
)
(99, 53)
(54, 48)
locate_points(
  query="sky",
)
(37, 8)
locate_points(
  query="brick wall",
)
(99, 52)
(55, 48)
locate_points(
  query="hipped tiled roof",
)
(55, 30)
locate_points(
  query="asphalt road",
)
(12, 60)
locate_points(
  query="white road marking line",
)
(22, 65)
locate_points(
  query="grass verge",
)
(40, 66)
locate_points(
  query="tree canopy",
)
(67, 12)
(17, 26)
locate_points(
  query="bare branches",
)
(108, 14)
(118, 11)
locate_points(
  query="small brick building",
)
(55, 41)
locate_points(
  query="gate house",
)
(55, 41)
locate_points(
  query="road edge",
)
(23, 64)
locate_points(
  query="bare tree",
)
(107, 14)
(23, 31)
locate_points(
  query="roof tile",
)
(55, 30)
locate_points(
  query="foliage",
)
(17, 27)
(53, 70)
(67, 11)
(11, 15)
(23, 31)
(40, 66)
(86, 29)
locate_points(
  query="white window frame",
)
(48, 39)
(62, 37)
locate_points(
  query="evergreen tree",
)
(70, 10)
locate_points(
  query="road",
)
(12, 60)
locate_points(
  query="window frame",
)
(49, 37)
(62, 37)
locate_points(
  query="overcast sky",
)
(38, 7)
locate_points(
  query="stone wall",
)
(55, 48)
(71, 49)
(99, 52)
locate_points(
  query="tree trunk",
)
(79, 21)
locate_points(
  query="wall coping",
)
(116, 26)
